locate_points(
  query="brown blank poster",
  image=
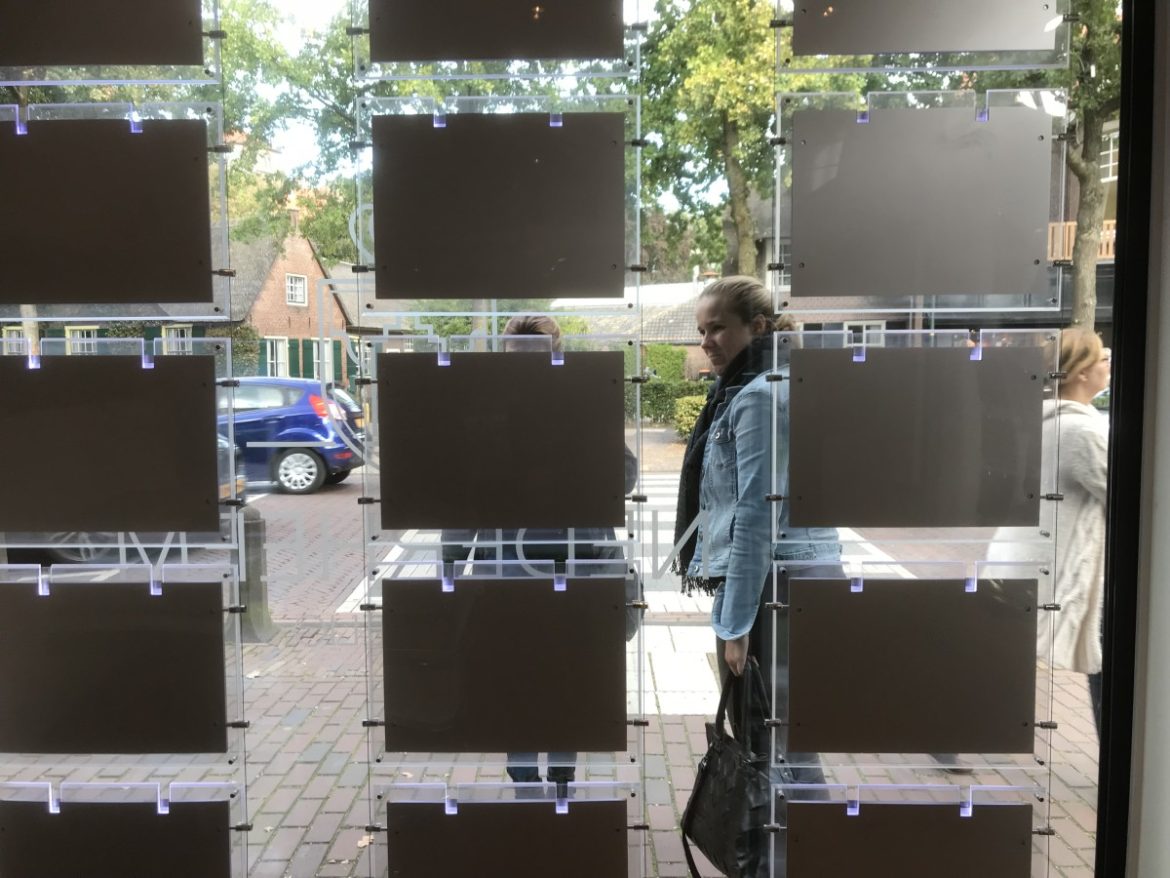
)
(117, 670)
(423, 30)
(526, 209)
(117, 447)
(908, 841)
(460, 680)
(502, 440)
(98, 215)
(912, 666)
(915, 437)
(127, 840)
(517, 839)
(65, 33)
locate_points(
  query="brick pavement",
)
(306, 691)
(308, 759)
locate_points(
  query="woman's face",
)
(723, 333)
(1097, 375)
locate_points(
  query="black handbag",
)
(727, 814)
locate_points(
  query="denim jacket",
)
(735, 536)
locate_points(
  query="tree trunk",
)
(1082, 161)
(741, 215)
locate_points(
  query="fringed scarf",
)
(751, 361)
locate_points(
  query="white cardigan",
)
(1074, 636)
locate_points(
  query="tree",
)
(710, 89)
(710, 83)
(1094, 98)
(1092, 82)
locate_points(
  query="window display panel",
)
(460, 679)
(56, 33)
(915, 437)
(1010, 194)
(81, 414)
(128, 830)
(131, 199)
(540, 201)
(876, 27)
(455, 466)
(93, 689)
(837, 840)
(582, 836)
(415, 30)
(912, 666)
(873, 192)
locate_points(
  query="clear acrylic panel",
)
(77, 613)
(895, 35)
(456, 683)
(178, 276)
(140, 377)
(123, 828)
(590, 156)
(525, 44)
(934, 742)
(585, 828)
(870, 182)
(964, 456)
(976, 830)
(61, 43)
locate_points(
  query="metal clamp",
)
(368, 501)
(360, 269)
(224, 272)
(638, 723)
(240, 724)
(373, 724)
(221, 149)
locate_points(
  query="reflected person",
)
(1076, 439)
(512, 548)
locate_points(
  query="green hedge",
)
(686, 412)
(658, 398)
(666, 361)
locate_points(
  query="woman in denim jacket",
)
(726, 480)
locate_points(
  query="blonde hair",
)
(1079, 349)
(747, 298)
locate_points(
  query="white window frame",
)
(323, 359)
(288, 290)
(14, 338)
(864, 327)
(81, 339)
(1110, 157)
(279, 363)
(177, 339)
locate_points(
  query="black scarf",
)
(751, 361)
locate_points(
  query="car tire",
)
(298, 471)
(338, 477)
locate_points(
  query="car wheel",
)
(337, 478)
(299, 471)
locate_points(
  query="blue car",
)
(288, 433)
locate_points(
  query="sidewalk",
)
(308, 759)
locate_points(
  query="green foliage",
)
(325, 219)
(675, 244)
(667, 362)
(245, 347)
(686, 413)
(658, 398)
